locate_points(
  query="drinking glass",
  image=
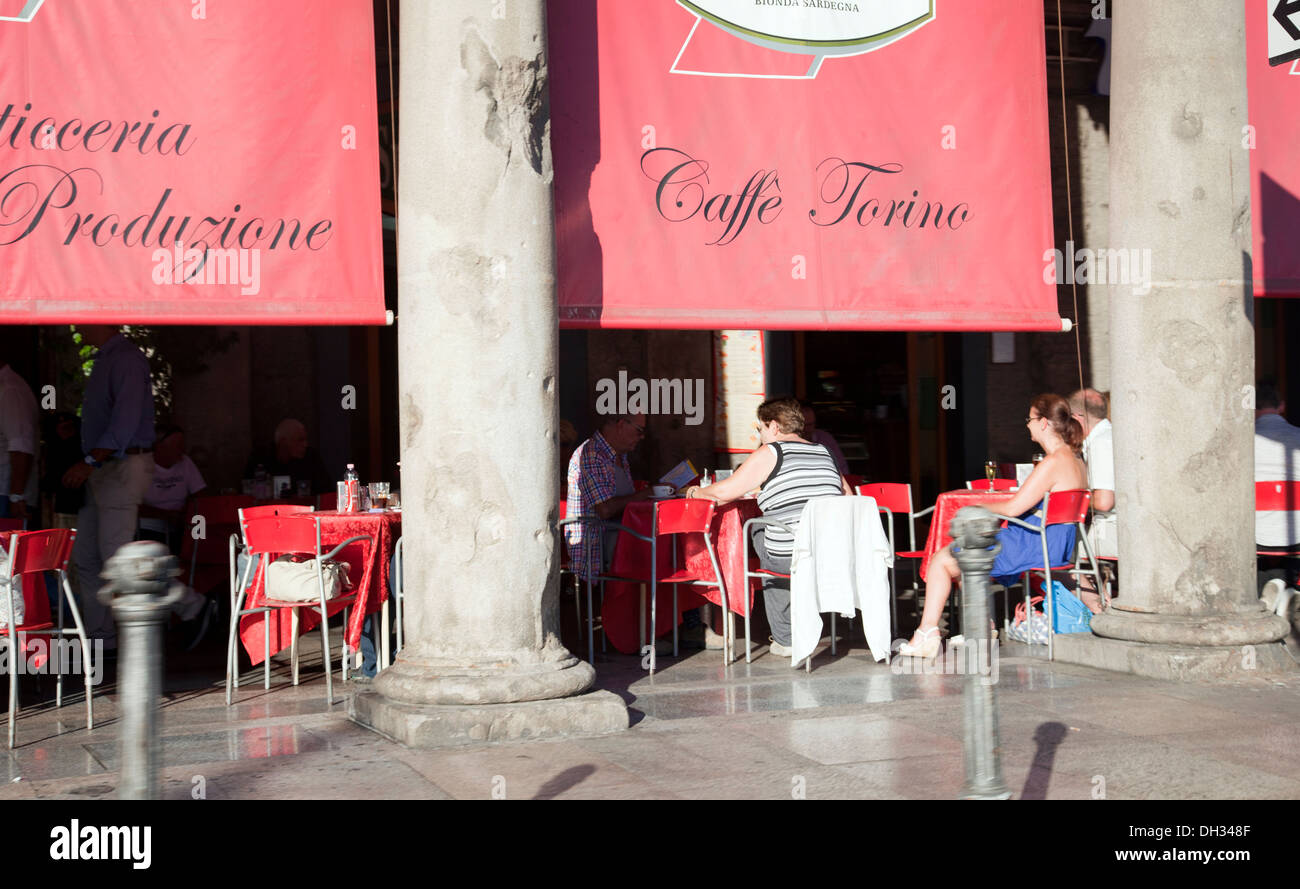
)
(379, 495)
(991, 471)
(342, 504)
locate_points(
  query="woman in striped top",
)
(788, 471)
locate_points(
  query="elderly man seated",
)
(1277, 459)
(600, 485)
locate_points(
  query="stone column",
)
(1182, 352)
(477, 337)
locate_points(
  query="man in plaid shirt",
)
(600, 485)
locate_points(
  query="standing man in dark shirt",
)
(116, 469)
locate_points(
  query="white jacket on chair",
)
(840, 564)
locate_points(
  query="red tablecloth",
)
(944, 512)
(632, 559)
(370, 579)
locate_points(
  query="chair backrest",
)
(222, 508)
(998, 484)
(893, 496)
(33, 551)
(272, 509)
(564, 510)
(682, 516)
(855, 481)
(279, 534)
(1277, 496)
(7, 525)
(1066, 507)
(220, 518)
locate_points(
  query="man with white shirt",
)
(19, 439)
(1089, 407)
(1277, 459)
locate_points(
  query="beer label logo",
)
(25, 13)
(813, 29)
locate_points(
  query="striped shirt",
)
(803, 472)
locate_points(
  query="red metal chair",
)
(7, 525)
(32, 553)
(589, 525)
(998, 484)
(1059, 508)
(753, 570)
(567, 569)
(682, 516)
(268, 537)
(209, 557)
(895, 499)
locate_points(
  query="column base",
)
(1255, 627)
(1174, 662)
(441, 725)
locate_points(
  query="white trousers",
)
(106, 523)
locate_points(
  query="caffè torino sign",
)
(815, 28)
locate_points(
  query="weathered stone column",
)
(1182, 352)
(477, 344)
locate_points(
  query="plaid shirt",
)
(594, 472)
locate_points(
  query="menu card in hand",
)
(680, 475)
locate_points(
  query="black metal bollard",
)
(975, 530)
(141, 589)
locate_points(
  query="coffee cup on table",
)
(662, 490)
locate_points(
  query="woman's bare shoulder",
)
(1067, 472)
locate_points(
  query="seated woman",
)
(1060, 437)
(788, 471)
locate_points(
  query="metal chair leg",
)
(654, 628)
(14, 654)
(266, 650)
(325, 653)
(591, 629)
(293, 646)
(676, 615)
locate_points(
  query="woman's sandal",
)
(928, 647)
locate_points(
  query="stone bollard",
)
(975, 530)
(141, 590)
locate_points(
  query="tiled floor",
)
(850, 729)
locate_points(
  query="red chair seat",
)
(29, 628)
(683, 577)
(911, 554)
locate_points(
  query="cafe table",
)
(945, 509)
(368, 576)
(631, 559)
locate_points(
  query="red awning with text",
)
(1272, 142)
(189, 163)
(874, 165)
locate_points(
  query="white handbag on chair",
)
(288, 580)
(4, 594)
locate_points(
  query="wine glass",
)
(990, 471)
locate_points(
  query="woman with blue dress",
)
(1060, 437)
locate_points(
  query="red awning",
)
(884, 166)
(171, 163)
(1272, 142)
